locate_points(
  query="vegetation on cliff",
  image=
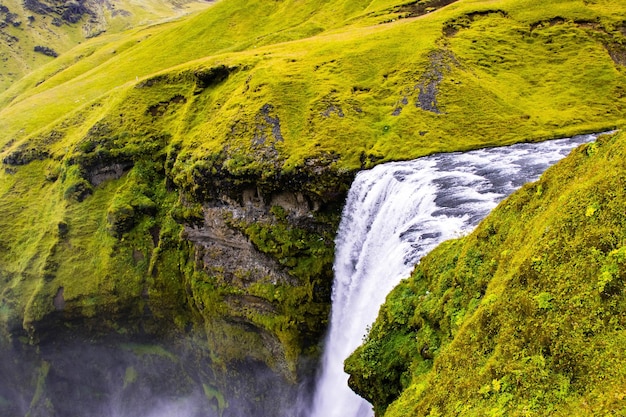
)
(525, 316)
(186, 178)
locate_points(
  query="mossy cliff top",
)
(144, 172)
(525, 316)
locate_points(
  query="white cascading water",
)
(394, 215)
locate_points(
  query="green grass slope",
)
(525, 316)
(245, 89)
(486, 75)
(34, 32)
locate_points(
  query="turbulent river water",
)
(394, 215)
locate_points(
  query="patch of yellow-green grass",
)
(225, 27)
(49, 31)
(528, 11)
(28, 232)
(257, 93)
(50, 242)
(150, 12)
(216, 398)
(549, 72)
(88, 251)
(146, 350)
(83, 59)
(27, 204)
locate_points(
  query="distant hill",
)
(32, 32)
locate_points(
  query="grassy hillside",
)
(523, 317)
(244, 124)
(486, 75)
(35, 32)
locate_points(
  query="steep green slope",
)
(525, 316)
(183, 181)
(475, 75)
(34, 32)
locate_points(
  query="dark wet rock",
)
(213, 76)
(427, 98)
(267, 127)
(428, 86)
(99, 173)
(161, 107)
(63, 229)
(37, 6)
(421, 7)
(10, 18)
(226, 253)
(78, 190)
(46, 51)
(59, 300)
(25, 156)
(62, 11)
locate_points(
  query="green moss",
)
(306, 255)
(216, 398)
(40, 403)
(130, 376)
(131, 202)
(142, 350)
(282, 319)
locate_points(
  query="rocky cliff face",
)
(221, 263)
(269, 256)
(229, 297)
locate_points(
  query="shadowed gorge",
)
(170, 190)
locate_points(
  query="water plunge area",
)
(395, 214)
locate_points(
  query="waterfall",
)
(396, 213)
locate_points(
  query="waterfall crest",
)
(396, 213)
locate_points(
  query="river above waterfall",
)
(395, 214)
